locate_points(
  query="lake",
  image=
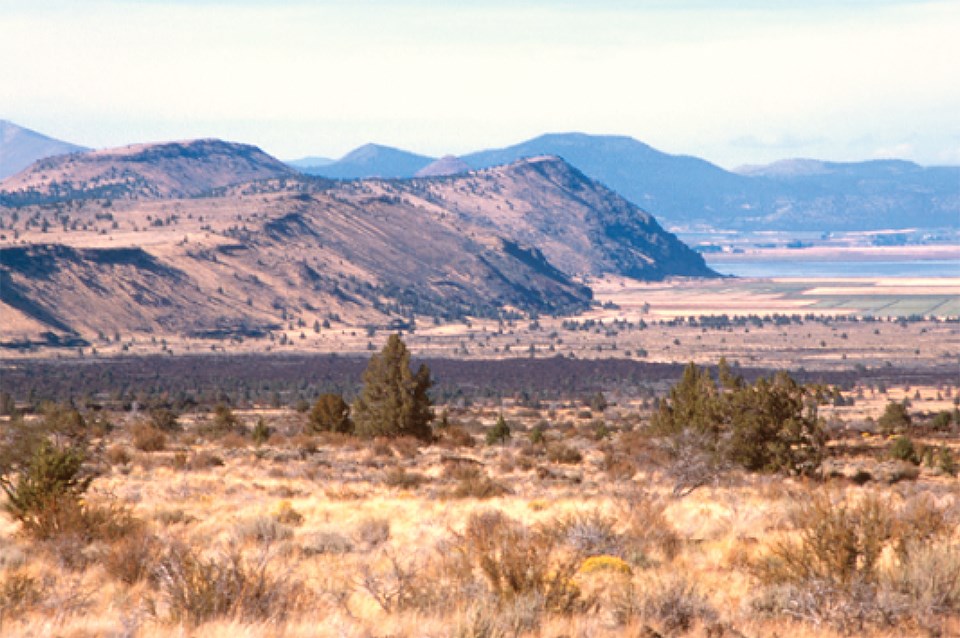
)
(796, 268)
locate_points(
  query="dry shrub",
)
(305, 444)
(836, 542)
(372, 532)
(338, 439)
(148, 438)
(262, 529)
(561, 453)
(648, 531)
(476, 484)
(929, 579)
(194, 589)
(81, 523)
(19, 593)
(589, 533)
(518, 561)
(198, 460)
(286, 514)
(460, 468)
(395, 583)
(618, 466)
(406, 447)
(117, 455)
(676, 605)
(326, 543)
(456, 436)
(848, 609)
(831, 572)
(234, 441)
(133, 558)
(380, 446)
(401, 478)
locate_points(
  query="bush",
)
(676, 604)
(165, 420)
(560, 453)
(399, 477)
(373, 532)
(902, 449)
(517, 561)
(50, 481)
(196, 589)
(147, 437)
(330, 413)
(764, 427)
(133, 558)
(261, 432)
(476, 484)
(456, 436)
(836, 543)
(894, 419)
(499, 433)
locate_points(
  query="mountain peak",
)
(20, 147)
(446, 165)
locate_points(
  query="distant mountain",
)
(675, 187)
(446, 165)
(791, 195)
(20, 147)
(372, 160)
(142, 171)
(811, 194)
(306, 163)
(245, 259)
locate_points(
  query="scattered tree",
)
(394, 401)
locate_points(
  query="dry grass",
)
(392, 538)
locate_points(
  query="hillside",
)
(271, 254)
(371, 160)
(20, 147)
(141, 171)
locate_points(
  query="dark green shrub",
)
(499, 433)
(538, 434)
(767, 426)
(165, 420)
(330, 414)
(903, 449)
(894, 419)
(261, 432)
(50, 479)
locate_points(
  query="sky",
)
(734, 82)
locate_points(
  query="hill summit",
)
(143, 171)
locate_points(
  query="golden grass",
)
(326, 519)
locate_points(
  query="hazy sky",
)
(733, 82)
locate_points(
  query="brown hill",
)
(295, 251)
(142, 171)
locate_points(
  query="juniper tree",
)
(331, 414)
(394, 401)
